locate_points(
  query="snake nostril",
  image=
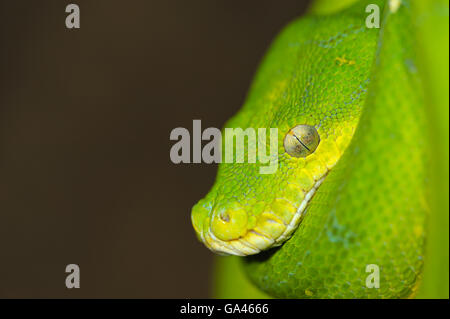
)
(225, 217)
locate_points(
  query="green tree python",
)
(359, 113)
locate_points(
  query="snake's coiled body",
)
(359, 87)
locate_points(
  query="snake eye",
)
(301, 141)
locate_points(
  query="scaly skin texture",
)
(371, 208)
(316, 73)
(360, 88)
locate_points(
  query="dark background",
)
(85, 118)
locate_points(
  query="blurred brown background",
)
(85, 118)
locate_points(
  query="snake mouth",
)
(271, 230)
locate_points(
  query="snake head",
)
(247, 212)
(314, 101)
